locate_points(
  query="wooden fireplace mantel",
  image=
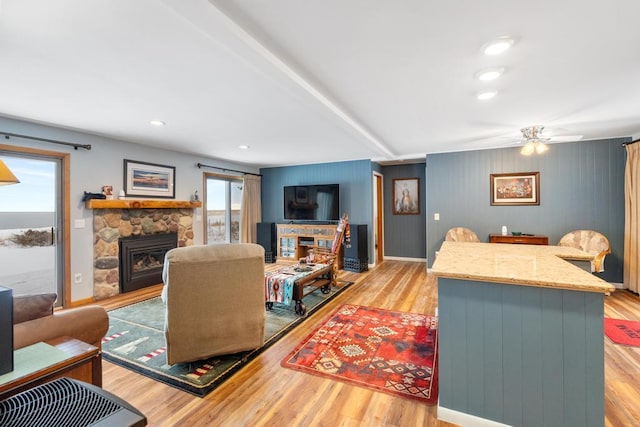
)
(140, 204)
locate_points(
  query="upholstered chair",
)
(461, 234)
(34, 320)
(591, 242)
(214, 297)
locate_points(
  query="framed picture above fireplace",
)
(149, 179)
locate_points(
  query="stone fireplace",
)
(112, 225)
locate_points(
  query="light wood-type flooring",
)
(265, 394)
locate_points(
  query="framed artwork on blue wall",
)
(406, 196)
(514, 189)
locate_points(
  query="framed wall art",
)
(406, 196)
(513, 189)
(149, 179)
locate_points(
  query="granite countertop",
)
(530, 265)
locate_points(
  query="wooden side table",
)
(43, 362)
(529, 239)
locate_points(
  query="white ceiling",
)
(317, 81)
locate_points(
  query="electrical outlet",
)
(77, 278)
(436, 217)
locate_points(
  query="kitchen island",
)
(520, 336)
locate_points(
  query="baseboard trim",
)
(397, 258)
(81, 302)
(462, 419)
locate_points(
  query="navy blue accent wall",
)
(581, 187)
(404, 235)
(521, 355)
(356, 186)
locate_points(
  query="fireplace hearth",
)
(141, 259)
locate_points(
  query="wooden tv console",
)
(295, 240)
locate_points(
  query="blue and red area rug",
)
(389, 351)
(625, 332)
(135, 340)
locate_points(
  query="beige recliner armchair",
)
(214, 299)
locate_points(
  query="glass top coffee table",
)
(287, 284)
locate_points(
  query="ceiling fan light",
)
(532, 132)
(541, 148)
(498, 46)
(533, 138)
(528, 149)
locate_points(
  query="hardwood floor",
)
(265, 394)
(621, 365)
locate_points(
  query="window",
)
(223, 198)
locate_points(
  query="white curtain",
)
(632, 217)
(251, 209)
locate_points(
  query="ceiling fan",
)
(534, 142)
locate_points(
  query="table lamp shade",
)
(6, 176)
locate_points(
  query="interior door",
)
(378, 220)
(31, 224)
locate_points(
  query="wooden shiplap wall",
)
(521, 355)
(354, 177)
(404, 234)
(581, 187)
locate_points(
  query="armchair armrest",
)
(598, 262)
(88, 324)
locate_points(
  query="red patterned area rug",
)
(625, 332)
(388, 351)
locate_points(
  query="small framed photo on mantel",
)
(515, 189)
(149, 180)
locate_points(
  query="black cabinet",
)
(266, 237)
(356, 256)
(6, 330)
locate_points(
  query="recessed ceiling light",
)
(487, 94)
(489, 74)
(498, 46)
(157, 122)
(243, 147)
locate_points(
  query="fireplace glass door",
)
(142, 259)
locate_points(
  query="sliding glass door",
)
(31, 250)
(222, 201)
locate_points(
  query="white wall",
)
(103, 165)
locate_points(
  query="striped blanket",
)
(278, 284)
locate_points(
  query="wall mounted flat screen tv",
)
(312, 202)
